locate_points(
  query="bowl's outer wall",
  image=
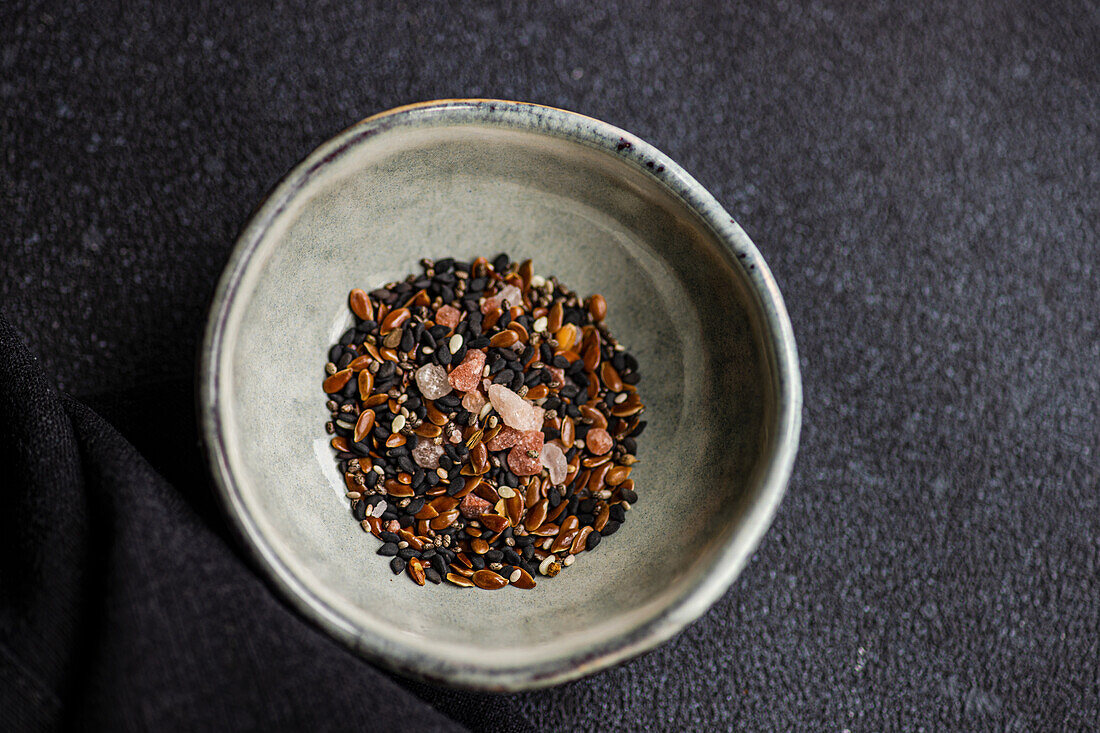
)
(465, 180)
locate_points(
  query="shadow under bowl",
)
(687, 293)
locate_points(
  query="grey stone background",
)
(921, 177)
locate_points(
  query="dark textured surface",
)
(922, 178)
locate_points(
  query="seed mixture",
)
(484, 419)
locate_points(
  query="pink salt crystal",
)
(509, 292)
(558, 375)
(473, 401)
(598, 441)
(473, 506)
(554, 459)
(538, 416)
(515, 411)
(392, 526)
(506, 438)
(426, 453)
(432, 380)
(448, 316)
(520, 460)
(467, 375)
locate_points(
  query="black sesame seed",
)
(407, 340)
(593, 540)
(609, 528)
(389, 537)
(451, 402)
(432, 576)
(630, 495)
(388, 549)
(618, 513)
(408, 552)
(359, 510)
(397, 565)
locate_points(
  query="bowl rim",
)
(779, 344)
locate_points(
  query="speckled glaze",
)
(604, 211)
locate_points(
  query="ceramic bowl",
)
(687, 292)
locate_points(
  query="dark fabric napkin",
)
(121, 610)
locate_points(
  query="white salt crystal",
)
(433, 382)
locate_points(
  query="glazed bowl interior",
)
(689, 300)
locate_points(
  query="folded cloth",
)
(121, 610)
